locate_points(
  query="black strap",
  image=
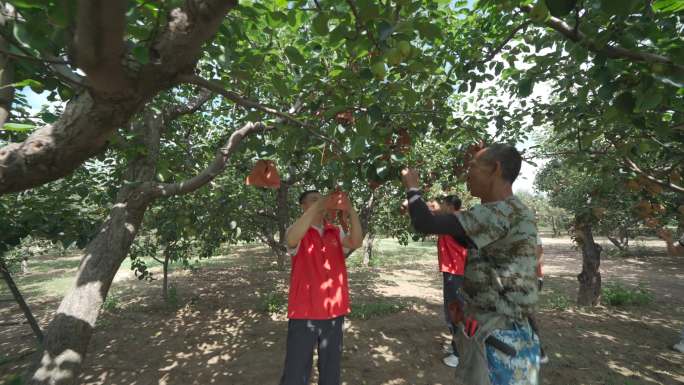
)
(501, 346)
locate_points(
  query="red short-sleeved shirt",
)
(452, 255)
(318, 280)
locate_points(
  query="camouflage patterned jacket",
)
(500, 274)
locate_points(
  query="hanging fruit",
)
(264, 174)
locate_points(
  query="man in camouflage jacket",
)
(500, 282)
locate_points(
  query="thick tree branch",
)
(53, 64)
(669, 185)
(63, 71)
(215, 168)
(191, 107)
(99, 42)
(60, 70)
(609, 51)
(55, 150)
(31, 58)
(239, 100)
(495, 51)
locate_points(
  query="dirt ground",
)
(221, 335)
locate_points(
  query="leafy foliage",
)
(617, 294)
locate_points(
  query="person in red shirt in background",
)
(318, 298)
(452, 254)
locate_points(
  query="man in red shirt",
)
(318, 298)
(452, 254)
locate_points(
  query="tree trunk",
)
(590, 278)
(20, 301)
(69, 333)
(165, 283)
(283, 217)
(368, 248)
(6, 75)
(365, 217)
(617, 242)
(624, 236)
(281, 256)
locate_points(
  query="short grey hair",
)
(508, 157)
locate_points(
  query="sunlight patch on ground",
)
(384, 352)
(630, 373)
(602, 336)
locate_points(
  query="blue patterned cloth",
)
(523, 369)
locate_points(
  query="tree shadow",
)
(220, 333)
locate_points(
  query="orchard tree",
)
(547, 214)
(358, 79)
(124, 68)
(600, 204)
(76, 206)
(129, 52)
(612, 100)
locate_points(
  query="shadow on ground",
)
(221, 334)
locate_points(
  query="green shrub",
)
(111, 303)
(374, 309)
(557, 301)
(617, 294)
(13, 379)
(273, 303)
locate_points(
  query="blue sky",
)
(36, 101)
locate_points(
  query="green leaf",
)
(649, 100)
(398, 158)
(142, 54)
(320, 24)
(21, 34)
(525, 87)
(34, 84)
(386, 30)
(540, 12)
(619, 7)
(588, 139)
(337, 34)
(606, 92)
(65, 93)
(363, 127)
(368, 10)
(429, 30)
(27, 4)
(624, 102)
(49, 117)
(280, 86)
(18, 127)
(668, 5)
(382, 172)
(358, 147)
(560, 8)
(294, 55)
